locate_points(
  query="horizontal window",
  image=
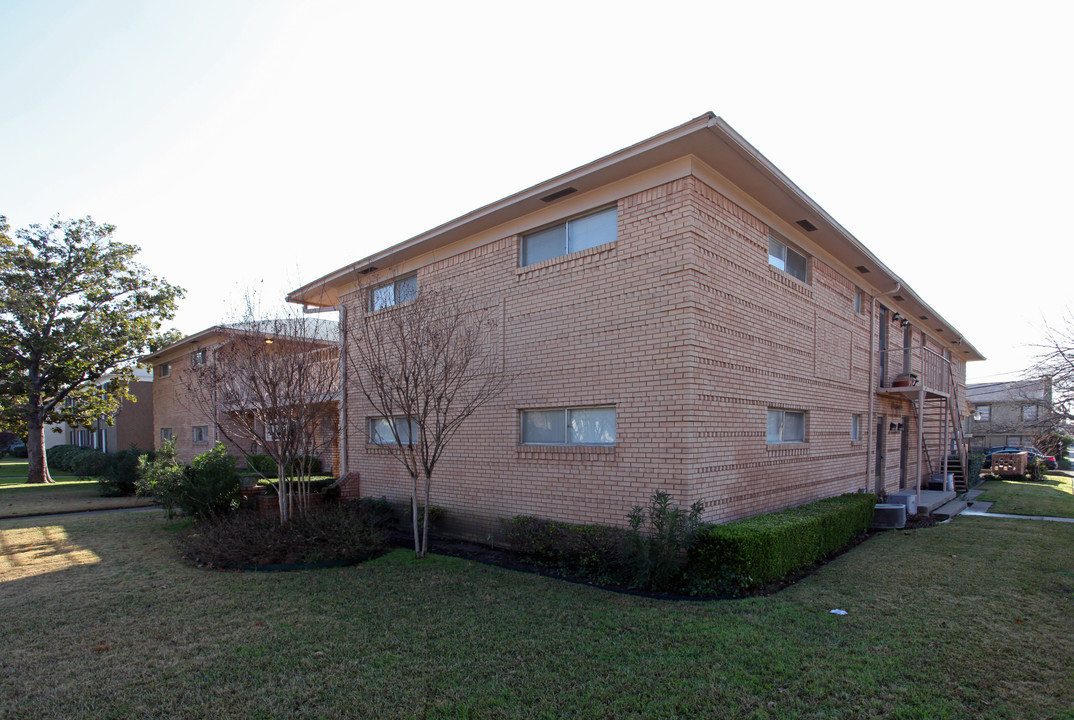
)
(785, 426)
(985, 413)
(380, 430)
(786, 259)
(1029, 413)
(570, 236)
(394, 292)
(201, 433)
(569, 426)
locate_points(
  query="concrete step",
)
(949, 509)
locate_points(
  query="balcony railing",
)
(928, 370)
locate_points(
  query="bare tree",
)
(270, 388)
(425, 362)
(1055, 360)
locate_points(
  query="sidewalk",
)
(980, 509)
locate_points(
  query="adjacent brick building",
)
(177, 412)
(679, 316)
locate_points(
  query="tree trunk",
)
(414, 514)
(37, 471)
(425, 520)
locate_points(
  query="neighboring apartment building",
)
(132, 425)
(178, 415)
(1011, 413)
(675, 316)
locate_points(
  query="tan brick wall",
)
(687, 330)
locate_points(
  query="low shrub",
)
(265, 466)
(976, 463)
(589, 551)
(120, 473)
(66, 457)
(750, 553)
(206, 488)
(656, 542)
(350, 531)
(88, 463)
(315, 486)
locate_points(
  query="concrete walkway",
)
(981, 509)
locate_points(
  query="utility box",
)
(889, 516)
(908, 499)
(1010, 463)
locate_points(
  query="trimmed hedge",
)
(756, 551)
(265, 466)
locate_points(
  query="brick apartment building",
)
(679, 316)
(1011, 413)
(132, 425)
(177, 415)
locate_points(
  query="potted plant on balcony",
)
(905, 380)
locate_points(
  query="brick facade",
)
(682, 325)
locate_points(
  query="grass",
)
(101, 619)
(1052, 496)
(68, 494)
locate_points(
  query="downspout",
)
(871, 443)
(342, 429)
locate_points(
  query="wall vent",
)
(862, 269)
(558, 194)
(809, 227)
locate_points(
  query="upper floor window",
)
(984, 413)
(787, 259)
(165, 369)
(859, 296)
(569, 426)
(198, 358)
(785, 426)
(394, 292)
(570, 236)
(1029, 413)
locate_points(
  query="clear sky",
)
(260, 143)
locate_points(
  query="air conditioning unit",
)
(889, 516)
(909, 499)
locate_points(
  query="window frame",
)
(788, 248)
(394, 284)
(566, 225)
(566, 426)
(165, 369)
(194, 434)
(782, 417)
(859, 302)
(855, 427)
(166, 437)
(1030, 416)
(985, 412)
(371, 437)
(198, 357)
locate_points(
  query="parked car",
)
(1034, 455)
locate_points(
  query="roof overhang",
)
(714, 143)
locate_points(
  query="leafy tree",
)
(424, 365)
(76, 310)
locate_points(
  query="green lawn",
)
(973, 618)
(1051, 497)
(68, 494)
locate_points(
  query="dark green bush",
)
(161, 477)
(756, 551)
(88, 463)
(316, 486)
(120, 473)
(61, 457)
(976, 463)
(656, 542)
(591, 551)
(210, 485)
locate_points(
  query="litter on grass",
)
(838, 612)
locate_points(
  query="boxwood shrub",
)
(756, 551)
(589, 551)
